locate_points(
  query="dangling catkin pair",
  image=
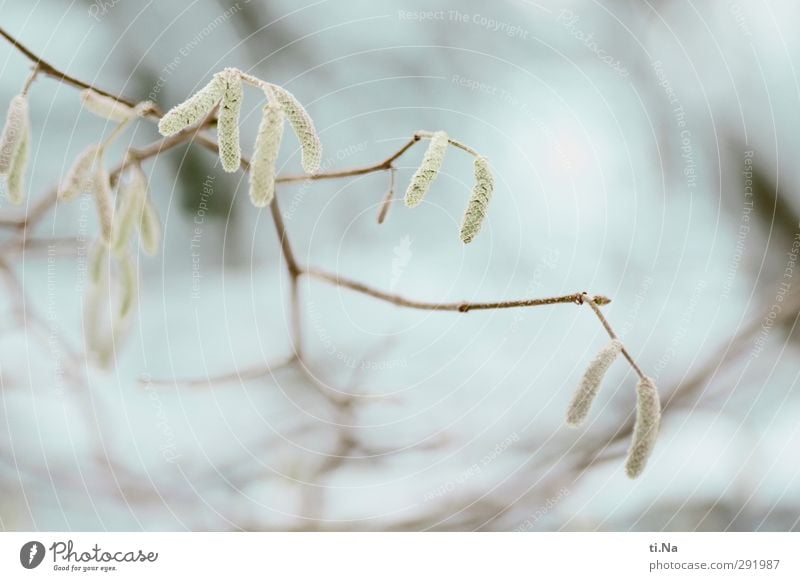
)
(428, 171)
(648, 407)
(225, 89)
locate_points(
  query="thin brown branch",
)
(46, 68)
(593, 302)
(460, 307)
(384, 165)
(244, 375)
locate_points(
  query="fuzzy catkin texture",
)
(230, 152)
(193, 109)
(16, 127)
(479, 202)
(104, 203)
(149, 228)
(428, 170)
(303, 127)
(129, 284)
(590, 383)
(106, 107)
(645, 431)
(16, 178)
(265, 156)
(131, 196)
(79, 176)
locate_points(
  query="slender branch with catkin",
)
(134, 207)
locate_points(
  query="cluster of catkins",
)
(225, 90)
(648, 407)
(429, 170)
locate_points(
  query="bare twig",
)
(46, 68)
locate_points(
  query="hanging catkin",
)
(479, 202)
(149, 228)
(590, 383)
(265, 156)
(303, 127)
(428, 169)
(101, 185)
(16, 128)
(228, 127)
(79, 176)
(194, 108)
(16, 177)
(131, 196)
(648, 418)
(106, 107)
(129, 284)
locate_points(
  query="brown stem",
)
(245, 375)
(592, 302)
(384, 165)
(461, 307)
(46, 68)
(295, 270)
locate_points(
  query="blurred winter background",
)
(643, 150)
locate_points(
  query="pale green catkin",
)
(16, 127)
(106, 107)
(131, 197)
(428, 169)
(230, 152)
(104, 203)
(98, 261)
(303, 127)
(95, 305)
(149, 228)
(265, 156)
(16, 178)
(645, 431)
(79, 176)
(129, 284)
(479, 202)
(590, 383)
(193, 109)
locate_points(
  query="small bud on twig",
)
(428, 169)
(590, 383)
(648, 418)
(479, 203)
(265, 156)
